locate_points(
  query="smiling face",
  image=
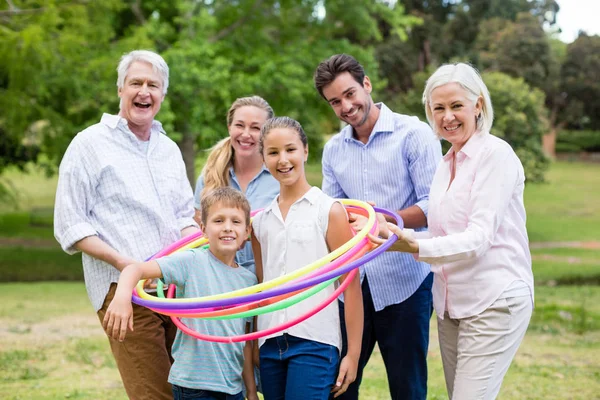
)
(285, 155)
(350, 100)
(245, 130)
(141, 97)
(226, 229)
(454, 113)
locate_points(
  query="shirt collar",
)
(232, 172)
(114, 121)
(311, 196)
(385, 123)
(470, 148)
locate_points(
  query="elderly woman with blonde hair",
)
(476, 240)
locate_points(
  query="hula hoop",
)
(292, 289)
(250, 294)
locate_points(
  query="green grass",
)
(566, 208)
(53, 348)
(36, 224)
(33, 188)
(27, 264)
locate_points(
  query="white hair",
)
(158, 65)
(470, 80)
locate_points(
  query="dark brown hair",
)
(335, 65)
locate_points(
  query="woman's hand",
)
(405, 243)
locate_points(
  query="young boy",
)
(202, 369)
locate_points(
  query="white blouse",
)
(477, 241)
(289, 245)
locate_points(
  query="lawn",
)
(52, 346)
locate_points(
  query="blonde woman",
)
(236, 161)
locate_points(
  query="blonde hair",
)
(216, 170)
(470, 80)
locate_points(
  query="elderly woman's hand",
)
(405, 243)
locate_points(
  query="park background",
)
(57, 76)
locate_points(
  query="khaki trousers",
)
(144, 357)
(477, 351)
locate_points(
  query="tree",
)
(580, 75)
(520, 119)
(58, 61)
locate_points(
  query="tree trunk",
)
(549, 142)
(188, 151)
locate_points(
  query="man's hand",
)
(118, 318)
(347, 375)
(358, 222)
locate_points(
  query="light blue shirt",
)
(200, 364)
(394, 169)
(260, 192)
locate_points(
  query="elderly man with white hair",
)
(122, 196)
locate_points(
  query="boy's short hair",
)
(226, 196)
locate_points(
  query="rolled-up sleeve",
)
(492, 191)
(74, 195)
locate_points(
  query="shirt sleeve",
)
(198, 191)
(184, 209)
(424, 154)
(330, 185)
(175, 267)
(74, 197)
(493, 188)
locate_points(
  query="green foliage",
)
(58, 62)
(519, 49)
(573, 141)
(580, 82)
(520, 119)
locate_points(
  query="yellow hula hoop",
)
(285, 278)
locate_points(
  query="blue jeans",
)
(402, 334)
(294, 368)
(183, 393)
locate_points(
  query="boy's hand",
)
(347, 375)
(118, 317)
(252, 396)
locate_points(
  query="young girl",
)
(300, 226)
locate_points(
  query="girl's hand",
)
(118, 317)
(405, 243)
(347, 375)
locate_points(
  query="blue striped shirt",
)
(394, 169)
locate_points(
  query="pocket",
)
(302, 232)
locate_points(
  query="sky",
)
(578, 14)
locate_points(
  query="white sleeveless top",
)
(289, 245)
